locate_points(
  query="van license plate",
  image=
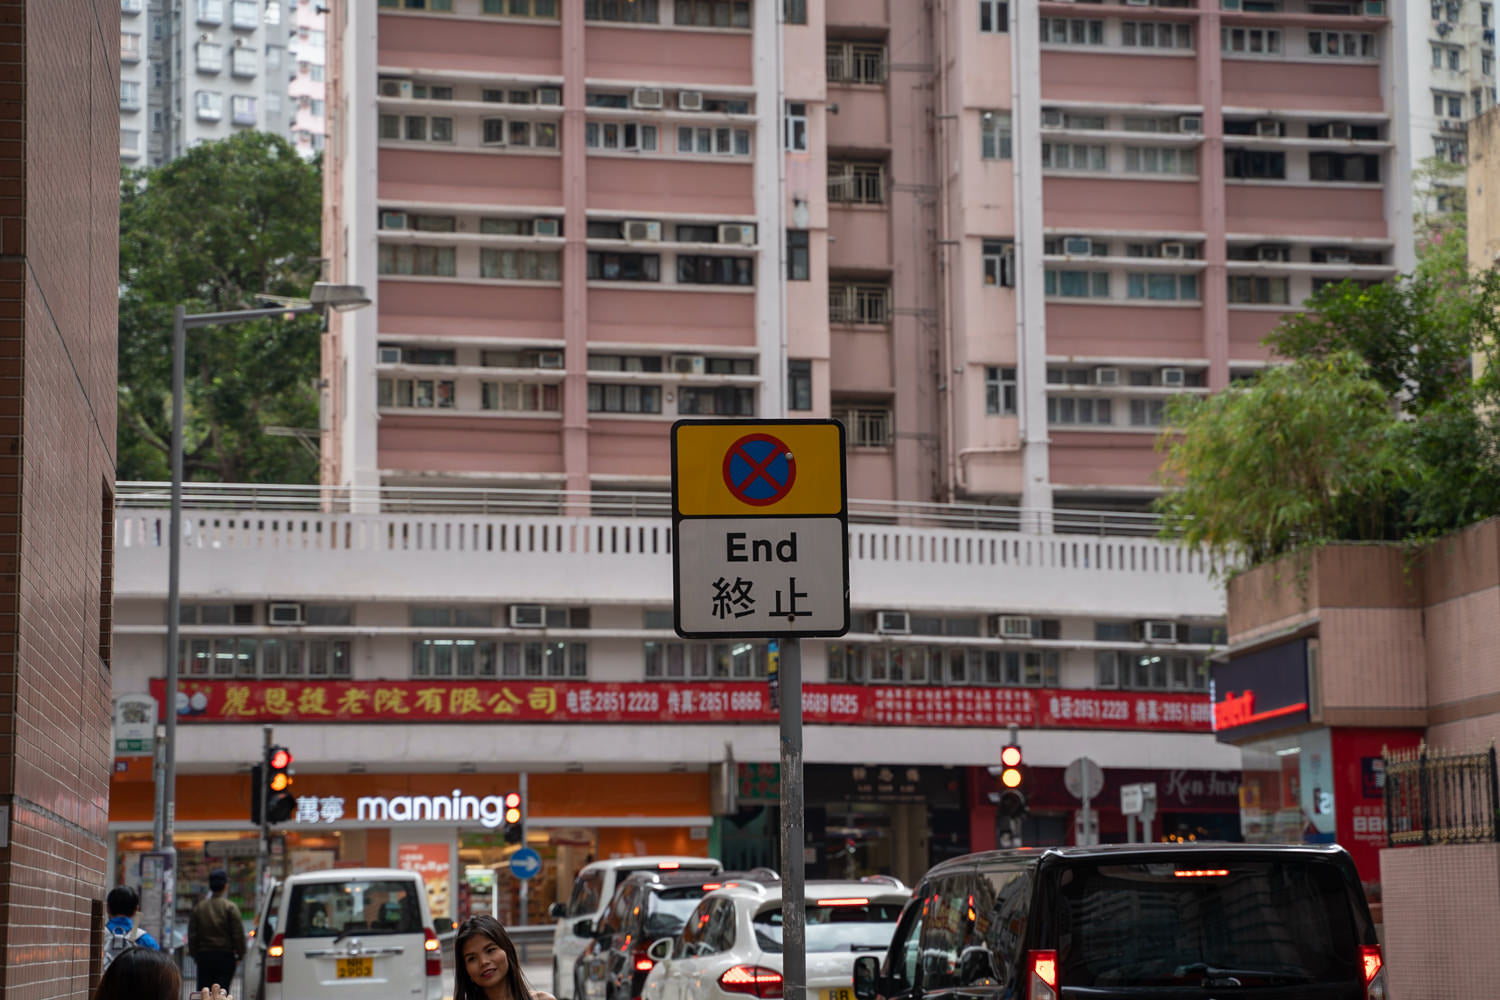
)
(844, 993)
(357, 968)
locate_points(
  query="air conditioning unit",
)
(1011, 626)
(1267, 126)
(392, 220)
(1052, 118)
(396, 88)
(390, 355)
(1340, 130)
(1174, 251)
(1444, 28)
(1159, 631)
(690, 100)
(549, 359)
(646, 97)
(893, 622)
(687, 364)
(1374, 8)
(546, 227)
(1190, 123)
(1079, 245)
(549, 95)
(284, 613)
(1173, 378)
(642, 230)
(1106, 376)
(736, 233)
(1271, 253)
(528, 616)
(1336, 257)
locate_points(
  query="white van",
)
(593, 888)
(344, 932)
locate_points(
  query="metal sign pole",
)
(263, 875)
(793, 905)
(525, 882)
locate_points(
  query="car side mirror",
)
(557, 911)
(866, 972)
(660, 950)
(584, 928)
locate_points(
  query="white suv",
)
(730, 947)
(593, 888)
(344, 932)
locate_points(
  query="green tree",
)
(213, 230)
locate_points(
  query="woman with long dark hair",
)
(146, 974)
(485, 964)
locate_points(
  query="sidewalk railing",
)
(1441, 796)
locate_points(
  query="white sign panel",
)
(1132, 800)
(747, 576)
(135, 725)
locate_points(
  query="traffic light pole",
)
(263, 870)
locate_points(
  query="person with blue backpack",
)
(120, 931)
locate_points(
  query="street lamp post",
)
(324, 297)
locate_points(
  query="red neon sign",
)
(1239, 710)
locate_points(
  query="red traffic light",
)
(513, 800)
(281, 759)
(1010, 756)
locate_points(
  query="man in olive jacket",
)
(216, 934)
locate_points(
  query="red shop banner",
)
(823, 704)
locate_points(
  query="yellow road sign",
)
(758, 468)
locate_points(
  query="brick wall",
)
(59, 208)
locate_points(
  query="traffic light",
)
(280, 803)
(1011, 800)
(513, 832)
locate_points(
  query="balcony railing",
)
(863, 304)
(1436, 796)
(492, 501)
(854, 62)
(856, 183)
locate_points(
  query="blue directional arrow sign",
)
(525, 863)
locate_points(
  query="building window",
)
(1358, 168)
(1151, 35)
(210, 11)
(1250, 41)
(999, 263)
(614, 135)
(1072, 31)
(453, 658)
(677, 661)
(520, 265)
(1343, 45)
(1076, 284)
(712, 141)
(417, 393)
(130, 46)
(130, 140)
(521, 8)
(1147, 412)
(606, 398)
(994, 135)
(243, 62)
(245, 14)
(1163, 160)
(1162, 287)
(520, 397)
(1000, 391)
(855, 183)
(867, 304)
(209, 57)
(242, 109)
(1150, 672)
(794, 11)
(1247, 290)
(798, 265)
(130, 95)
(855, 62)
(409, 258)
(1254, 164)
(711, 13)
(210, 105)
(865, 427)
(796, 127)
(440, 6)
(608, 266)
(1075, 156)
(696, 269)
(799, 385)
(994, 15)
(721, 401)
(1079, 410)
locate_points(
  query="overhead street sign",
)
(760, 529)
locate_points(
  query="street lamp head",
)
(339, 298)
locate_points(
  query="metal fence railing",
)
(1439, 796)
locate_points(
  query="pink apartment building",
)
(308, 46)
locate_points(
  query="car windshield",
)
(668, 909)
(1217, 922)
(374, 906)
(864, 926)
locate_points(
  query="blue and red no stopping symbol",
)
(759, 469)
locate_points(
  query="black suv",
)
(646, 906)
(1132, 922)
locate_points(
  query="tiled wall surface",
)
(59, 168)
(1442, 912)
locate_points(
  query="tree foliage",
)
(1374, 429)
(211, 231)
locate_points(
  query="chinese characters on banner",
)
(823, 704)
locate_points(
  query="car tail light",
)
(752, 980)
(1041, 981)
(643, 964)
(1201, 872)
(1374, 969)
(711, 886)
(848, 901)
(274, 955)
(434, 953)
(669, 866)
